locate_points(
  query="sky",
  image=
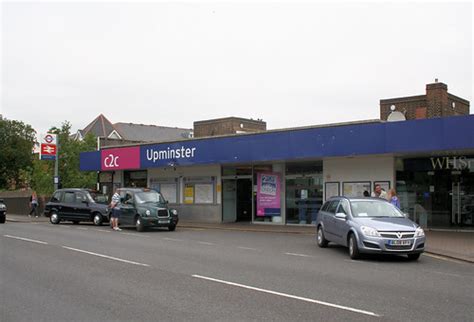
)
(172, 63)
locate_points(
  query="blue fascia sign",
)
(417, 136)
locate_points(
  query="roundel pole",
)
(56, 165)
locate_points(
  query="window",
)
(343, 208)
(57, 196)
(333, 206)
(168, 187)
(199, 190)
(69, 197)
(81, 197)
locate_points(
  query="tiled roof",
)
(100, 127)
(150, 133)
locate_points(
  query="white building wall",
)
(359, 169)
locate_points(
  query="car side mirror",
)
(341, 215)
(1, 200)
(85, 202)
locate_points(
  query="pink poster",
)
(268, 194)
(120, 158)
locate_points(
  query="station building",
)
(236, 170)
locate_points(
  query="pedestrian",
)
(393, 198)
(33, 204)
(379, 192)
(115, 207)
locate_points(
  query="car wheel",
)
(413, 257)
(2, 219)
(322, 241)
(139, 224)
(54, 218)
(172, 227)
(98, 219)
(353, 248)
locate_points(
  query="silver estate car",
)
(368, 225)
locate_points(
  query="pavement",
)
(455, 244)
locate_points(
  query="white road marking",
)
(300, 255)
(246, 248)
(103, 230)
(205, 243)
(136, 235)
(27, 239)
(288, 296)
(172, 239)
(81, 228)
(65, 226)
(105, 256)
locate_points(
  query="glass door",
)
(303, 198)
(463, 202)
(229, 200)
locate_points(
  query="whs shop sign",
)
(48, 146)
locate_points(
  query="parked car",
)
(368, 225)
(77, 205)
(3, 211)
(145, 208)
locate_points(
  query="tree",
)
(16, 146)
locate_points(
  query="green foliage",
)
(16, 145)
(20, 169)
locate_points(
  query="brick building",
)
(228, 125)
(437, 102)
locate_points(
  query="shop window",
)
(199, 190)
(304, 198)
(135, 179)
(167, 187)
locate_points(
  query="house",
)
(128, 133)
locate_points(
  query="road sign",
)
(48, 151)
(48, 146)
(48, 138)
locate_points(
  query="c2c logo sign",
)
(120, 159)
(111, 161)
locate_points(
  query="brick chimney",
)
(437, 100)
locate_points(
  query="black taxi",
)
(143, 208)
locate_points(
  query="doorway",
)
(237, 200)
(462, 202)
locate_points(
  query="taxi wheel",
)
(172, 227)
(139, 224)
(54, 218)
(98, 219)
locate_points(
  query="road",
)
(86, 273)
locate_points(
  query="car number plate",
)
(397, 242)
(166, 221)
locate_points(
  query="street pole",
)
(56, 165)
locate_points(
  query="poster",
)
(189, 194)
(268, 194)
(203, 193)
(355, 189)
(331, 189)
